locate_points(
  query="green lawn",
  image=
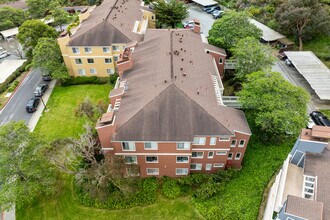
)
(326, 112)
(321, 47)
(61, 121)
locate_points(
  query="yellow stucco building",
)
(93, 47)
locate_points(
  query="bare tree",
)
(13, 47)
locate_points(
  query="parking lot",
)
(196, 11)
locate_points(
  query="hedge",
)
(81, 80)
(4, 86)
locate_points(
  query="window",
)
(241, 143)
(106, 50)
(128, 146)
(108, 60)
(78, 61)
(220, 61)
(218, 165)
(233, 143)
(116, 58)
(90, 60)
(183, 146)
(208, 166)
(88, 49)
(131, 159)
(199, 140)
(230, 155)
(238, 156)
(309, 183)
(92, 71)
(210, 154)
(224, 139)
(115, 48)
(152, 171)
(220, 153)
(150, 146)
(75, 50)
(197, 154)
(81, 72)
(151, 159)
(181, 171)
(182, 159)
(132, 172)
(196, 166)
(213, 140)
(110, 71)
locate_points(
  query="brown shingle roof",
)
(111, 22)
(304, 208)
(158, 89)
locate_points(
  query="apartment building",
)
(92, 48)
(301, 189)
(166, 113)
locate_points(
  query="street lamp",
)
(40, 97)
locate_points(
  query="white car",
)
(4, 54)
(188, 24)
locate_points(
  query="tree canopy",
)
(11, 17)
(231, 28)
(24, 172)
(170, 13)
(31, 31)
(38, 8)
(303, 18)
(276, 107)
(251, 56)
(47, 55)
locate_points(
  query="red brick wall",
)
(221, 67)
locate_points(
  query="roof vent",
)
(181, 69)
(181, 49)
(175, 77)
(184, 74)
(184, 50)
(182, 59)
(197, 93)
(165, 81)
(191, 61)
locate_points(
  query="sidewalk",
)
(35, 118)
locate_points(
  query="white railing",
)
(230, 64)
(231, 101)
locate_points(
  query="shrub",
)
(81, 80)
(170, 188)
(113, 78)
(13, 86)
(207, 190)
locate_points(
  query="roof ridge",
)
(113, 6)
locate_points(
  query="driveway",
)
(196, 11)
(8, 66)
(15, 108)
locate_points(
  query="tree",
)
(47, 55)
(276, 107)
(231, 28)
(31, 31)
(170, 13)
(24, 172)
(13, 47)
(93, 171)
(11, 17)
(303, 18)
(251, 56)
(38, 8)
(59, 15)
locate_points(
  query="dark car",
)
(212, 9)
(40, 90)
(205, 8)
(46, 77)
(320, 119)
(32, 104)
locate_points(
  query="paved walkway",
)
(7, 67)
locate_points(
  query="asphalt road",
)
(205, 19)
(15, 108)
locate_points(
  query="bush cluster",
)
(4, 86)
(81, 80)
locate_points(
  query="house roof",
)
(205, 2)
(171, 96)
(321, 131)
(111, 22)
(305, 208)
(9, 32)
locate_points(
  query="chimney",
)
(197, 26)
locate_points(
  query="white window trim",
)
(235, 143)
(77, 49)
(180, 161)
(240, 155)
(215, 141)
(227, 139)
(108, 59)
(312, 194)
(239, 143)
(106, 51)
(115, 47)
(206, 166)
(83, 70)
(149, 161)
(111, 71)
(216, 165)
(208, 156)
(152, 173)
(128, 142)
(197, 164)
(95, 71)
(144, 145)
(221, 154)
(88, 51)
(198, 141)
(183, 145)
(131, 156)
(90, 59)
(75, 60)
(198, 157)
(232, 154)
(181, 174)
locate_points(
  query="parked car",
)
(46, 77)
(288, 62)
(217, 14)
(310, 123)
(40, 90)
(3, 53)
(209, 11)
(281, 54)
(320, 119)
(32, 104)
(205, 8)
(188, 24)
